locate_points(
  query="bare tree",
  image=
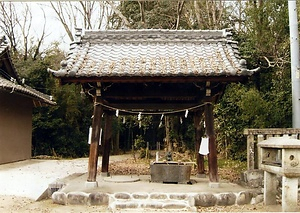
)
(40, 39)
(9, 20)
(118, 13)
(209, 13)
(16, 23)
(25, 26)
(65, 15)
(85, 14)
(180, 5)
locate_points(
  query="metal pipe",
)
(295, 75)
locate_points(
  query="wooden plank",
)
(212, 156)
(106, 146)
(198, 134)
(94, 146)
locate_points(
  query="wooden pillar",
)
(94, 146)
(106, 145)
(198, 135)
(210, 131)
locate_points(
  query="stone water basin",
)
(170, 172)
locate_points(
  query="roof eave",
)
(167, 79)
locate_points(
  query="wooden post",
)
(198, 134)
(106, 146)
(94, 146)
(210, 131)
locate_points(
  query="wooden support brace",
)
(94, 146)
(212, 156)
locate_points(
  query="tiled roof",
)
(4, 53)
(14, 87)
(12, 84)
(153, 53)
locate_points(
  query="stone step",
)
(151, 204)
(152, 201)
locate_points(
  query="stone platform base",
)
(178, 201)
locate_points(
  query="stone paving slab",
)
(144, 185)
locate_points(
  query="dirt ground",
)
(25, 205)
(20, 204)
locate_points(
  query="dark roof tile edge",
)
(25, 90)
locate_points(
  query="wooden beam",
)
(155, 107)
(106, 146)
(210, 131)
(143, 79)
(94, 146)
(198, 135)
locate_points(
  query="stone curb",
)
(179, 201)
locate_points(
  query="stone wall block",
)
(126, 205)
(158, 196)
(122, 195)
(152, 205)
(205, 200)
(98, 199)
(140, 195)
(226, 199)
(54, 187)
(257, 199)
(174, 206)
(59, 198)
(178, 196)
(244, 198)
(77, 198)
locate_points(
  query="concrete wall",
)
(15, 127)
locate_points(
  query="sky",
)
(54, 29)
